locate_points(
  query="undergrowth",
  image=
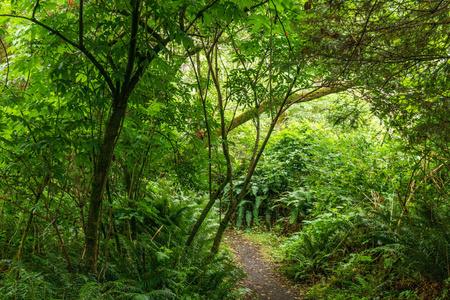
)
(361, 217)
(154, 265)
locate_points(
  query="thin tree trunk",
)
(119, 107)
(205, 212)
(61, 240)
(116, 233)
(213, 198)
(129, 179)
(19, 254)
(63, 246)
(224, 223)
(100, 178)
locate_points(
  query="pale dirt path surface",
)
(262, 278)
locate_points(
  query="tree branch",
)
(316, 94)
(200, 14)
(34, 10)
(75, 45)
(80, 24)
(133, 42)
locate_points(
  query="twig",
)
(156, 234)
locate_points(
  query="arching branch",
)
(294, 99)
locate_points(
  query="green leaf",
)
(293, 216)
(254, 190)
(366, 258)
(258, 201)
(248, 218)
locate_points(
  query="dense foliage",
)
(134, 132)
(367, 216)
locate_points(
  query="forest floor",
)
(262, 278)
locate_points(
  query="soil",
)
(262, 277)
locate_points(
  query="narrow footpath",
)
(262, 278)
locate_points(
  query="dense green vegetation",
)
(134, 133)
(365, 215)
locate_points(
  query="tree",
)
(403, 45)
(84, 74)
(94, 85)
(116, 56)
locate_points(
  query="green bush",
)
(155, 264)
(314, 251)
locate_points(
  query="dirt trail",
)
(262, 278)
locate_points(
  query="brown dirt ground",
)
(262, 278)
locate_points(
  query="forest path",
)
(262, 277)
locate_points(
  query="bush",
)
(313, 252)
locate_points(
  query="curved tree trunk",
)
(254, 162)
(315, 94)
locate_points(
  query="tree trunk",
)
(212, 198)
(100, 177)
(45, 180)
(294, 99)
(205, 212)
(119, 108)
(129, 178)
(251, 169)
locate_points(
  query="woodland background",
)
(133, 133)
